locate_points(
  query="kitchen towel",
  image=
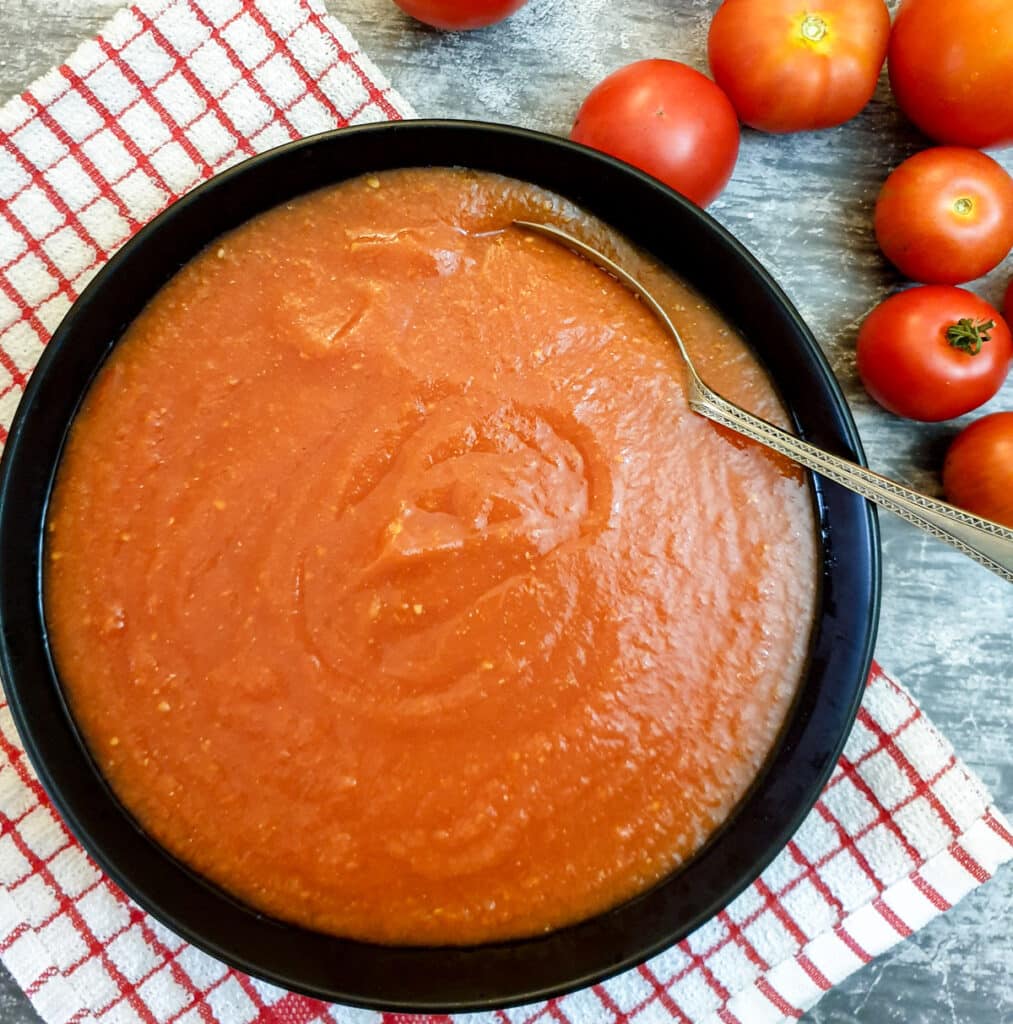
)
(168, 94)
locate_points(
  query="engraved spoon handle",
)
(986, 542)
(981, 539)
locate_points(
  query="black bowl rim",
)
(425, 965)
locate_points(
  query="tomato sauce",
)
(394, 585)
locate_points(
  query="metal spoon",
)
(986, 542)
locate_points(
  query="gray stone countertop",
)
(803, 205)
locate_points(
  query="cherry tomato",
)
(668, 120)
(951, 69)
(933, 352)
(978, 471)
(788, 68)
(946, 215)
(460, 14)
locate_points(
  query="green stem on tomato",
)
(813, 28)
(969, 336)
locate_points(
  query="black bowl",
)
(440, 979)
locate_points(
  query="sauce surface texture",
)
(393, 583)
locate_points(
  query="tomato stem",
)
(969, 336)
(813, 28)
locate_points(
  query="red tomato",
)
(946, 215)
(787, 69)
(460, 14)
(951, 68)
(1007, 303)
(669, 121)
(978, 471)
(933, 352)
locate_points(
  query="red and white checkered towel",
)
(169, 93)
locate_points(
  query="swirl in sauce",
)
(394, 585)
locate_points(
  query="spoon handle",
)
(983, 540)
